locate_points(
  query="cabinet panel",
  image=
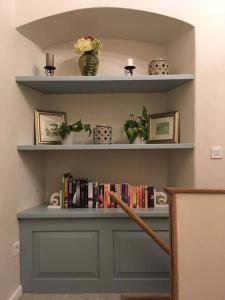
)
(136, 255)
(92, 255)
(72, 254)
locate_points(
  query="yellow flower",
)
(85, 44)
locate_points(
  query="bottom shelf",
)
(43, 212)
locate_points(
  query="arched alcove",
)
(105, 22)
(125, 33)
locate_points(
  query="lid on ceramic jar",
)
(103, 125)
(158, 59)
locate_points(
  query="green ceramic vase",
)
(88, 64)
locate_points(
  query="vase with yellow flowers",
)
(88, 47)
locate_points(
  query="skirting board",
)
(145, 296)
(17, 294)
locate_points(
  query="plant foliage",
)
(137, 126)
(64, 129)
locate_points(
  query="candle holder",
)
(129, 70)
(49, 70)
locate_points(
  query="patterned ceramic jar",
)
(102, 134)
(158, 67)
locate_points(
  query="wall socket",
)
(15, 248)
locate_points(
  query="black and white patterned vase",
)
(102, 134)
(158, 67)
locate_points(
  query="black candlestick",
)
(129, 70)
(49, 70)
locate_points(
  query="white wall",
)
(21, 177)
(18, 56)
(200, 263)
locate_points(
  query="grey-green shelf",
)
(104, 84)
(43, 212)
(104, 147)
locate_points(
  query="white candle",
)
(49, 59)
(130, 62)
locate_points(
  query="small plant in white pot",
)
(136, 128)
(75, 133)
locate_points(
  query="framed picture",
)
(164, 128)
(43, 122)
(161, 200)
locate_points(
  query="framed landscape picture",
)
(164, 128)
(43, 125)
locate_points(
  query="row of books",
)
(81, 193)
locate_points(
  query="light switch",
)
(216, 152)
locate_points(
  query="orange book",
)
(66, 192)
(137, 196)
(105, 197)
(131, 196)
(108, 196)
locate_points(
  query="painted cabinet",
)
(92, 252)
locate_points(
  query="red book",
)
(146, 196)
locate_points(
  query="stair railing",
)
(150, 232)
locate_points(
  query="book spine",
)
(70, 192)
(146, 196)
(137, 196)
(95, 195)
(66, 192)
(90, 195)
(151, 195)
(112, 189)
(78, 193)
(62, 200)
(134, 197)
(105, 197)
(128, 195)
(131, 196)
(140, 197)
(83, 194)
(74, 194)
(100, 195)
(86, 194)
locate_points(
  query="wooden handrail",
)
(140, 222)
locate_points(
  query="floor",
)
(71, 297)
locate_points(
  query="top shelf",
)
(104, 84)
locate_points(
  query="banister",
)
(150, 232)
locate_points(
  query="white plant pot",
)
(77, 138)
(139, 140)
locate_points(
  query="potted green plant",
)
(136, 128)
(70, 133)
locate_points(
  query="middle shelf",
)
(105, 147)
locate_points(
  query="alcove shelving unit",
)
(104, 250)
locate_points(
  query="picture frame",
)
(164, 128)
(43, 119)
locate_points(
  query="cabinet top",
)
(43, 212)
(104, 84)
